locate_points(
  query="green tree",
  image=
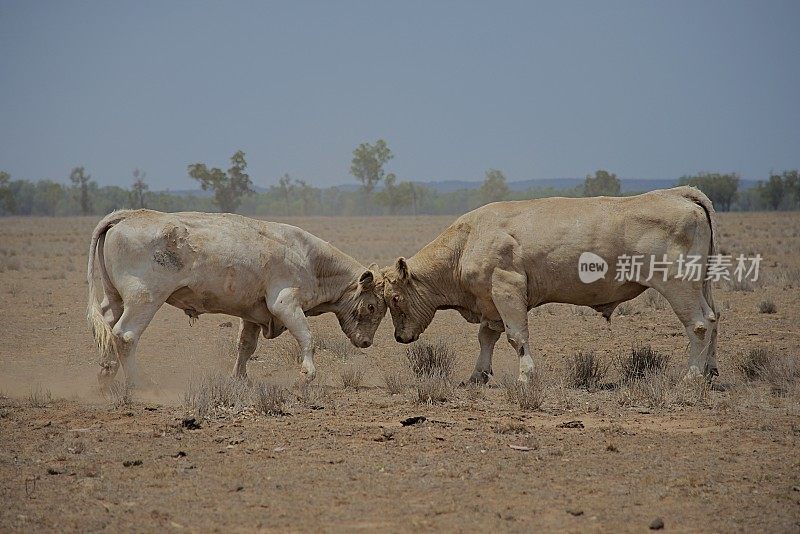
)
(494, 187)
(6, 194)
(82, 183)
(307, 195)
(367, 164)
(772, 191)
(230, 187)
(603, 183)
(791, 182)
(139, 190)
(393, 196)
(285, 190)
(722, 189)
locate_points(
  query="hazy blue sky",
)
(538, 90)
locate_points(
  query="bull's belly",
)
(196, 301)
(596, 294)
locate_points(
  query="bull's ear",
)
(367, 279)
(402, 268)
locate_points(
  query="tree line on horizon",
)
(380, 193)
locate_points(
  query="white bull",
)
(270, 275)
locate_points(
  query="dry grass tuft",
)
(655, 300)
(744, 285)
(39, 398)
(341, 349)
(584, 370)
(528, 395)
(431, 359)
(269, 399)
(767, 306)
(351, 376)
(692, 390)
(216, 394)
(120, 394)
(780, 371)
(640, 361)
(433, 387)
(754, 363)
(395, 381)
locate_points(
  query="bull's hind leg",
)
(248, 341)
(699, 321)
(510, 297)
(134, 320)
(487, 337)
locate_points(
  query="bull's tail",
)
(101, 330)
(696, 196)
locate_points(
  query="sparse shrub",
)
(511, 427)
(341, 349)
(692, 390)
(39, 398)
(753, 364)
(651, 389)
(269, 399)
(528, 395)
(584, 370)
(120, 394)
(475, 391)
(767, 306)
(311, 395)
(218, 394)
(640, 361)
(431, 359)
(780, 371)
(433, 387)
(735, 284)
(351, 376)
(395, 381)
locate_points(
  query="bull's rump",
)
(201, 262)
(546, 238)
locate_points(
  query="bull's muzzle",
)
(405, 339)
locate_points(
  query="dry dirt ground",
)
(340, 459)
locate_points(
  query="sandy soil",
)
(721, 460)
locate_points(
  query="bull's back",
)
(549, 236)
(192, 247)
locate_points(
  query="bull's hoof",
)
(308, 372)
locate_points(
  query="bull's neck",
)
(436, 267)
(336, 274)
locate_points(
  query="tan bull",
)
(499, 261)
(268, 274)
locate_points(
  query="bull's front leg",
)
(287, 309)
(510, 296)
(487, 338)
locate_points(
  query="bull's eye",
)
(371, 308)
(396, 299)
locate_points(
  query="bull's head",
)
(363, 308)
(411, 311)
